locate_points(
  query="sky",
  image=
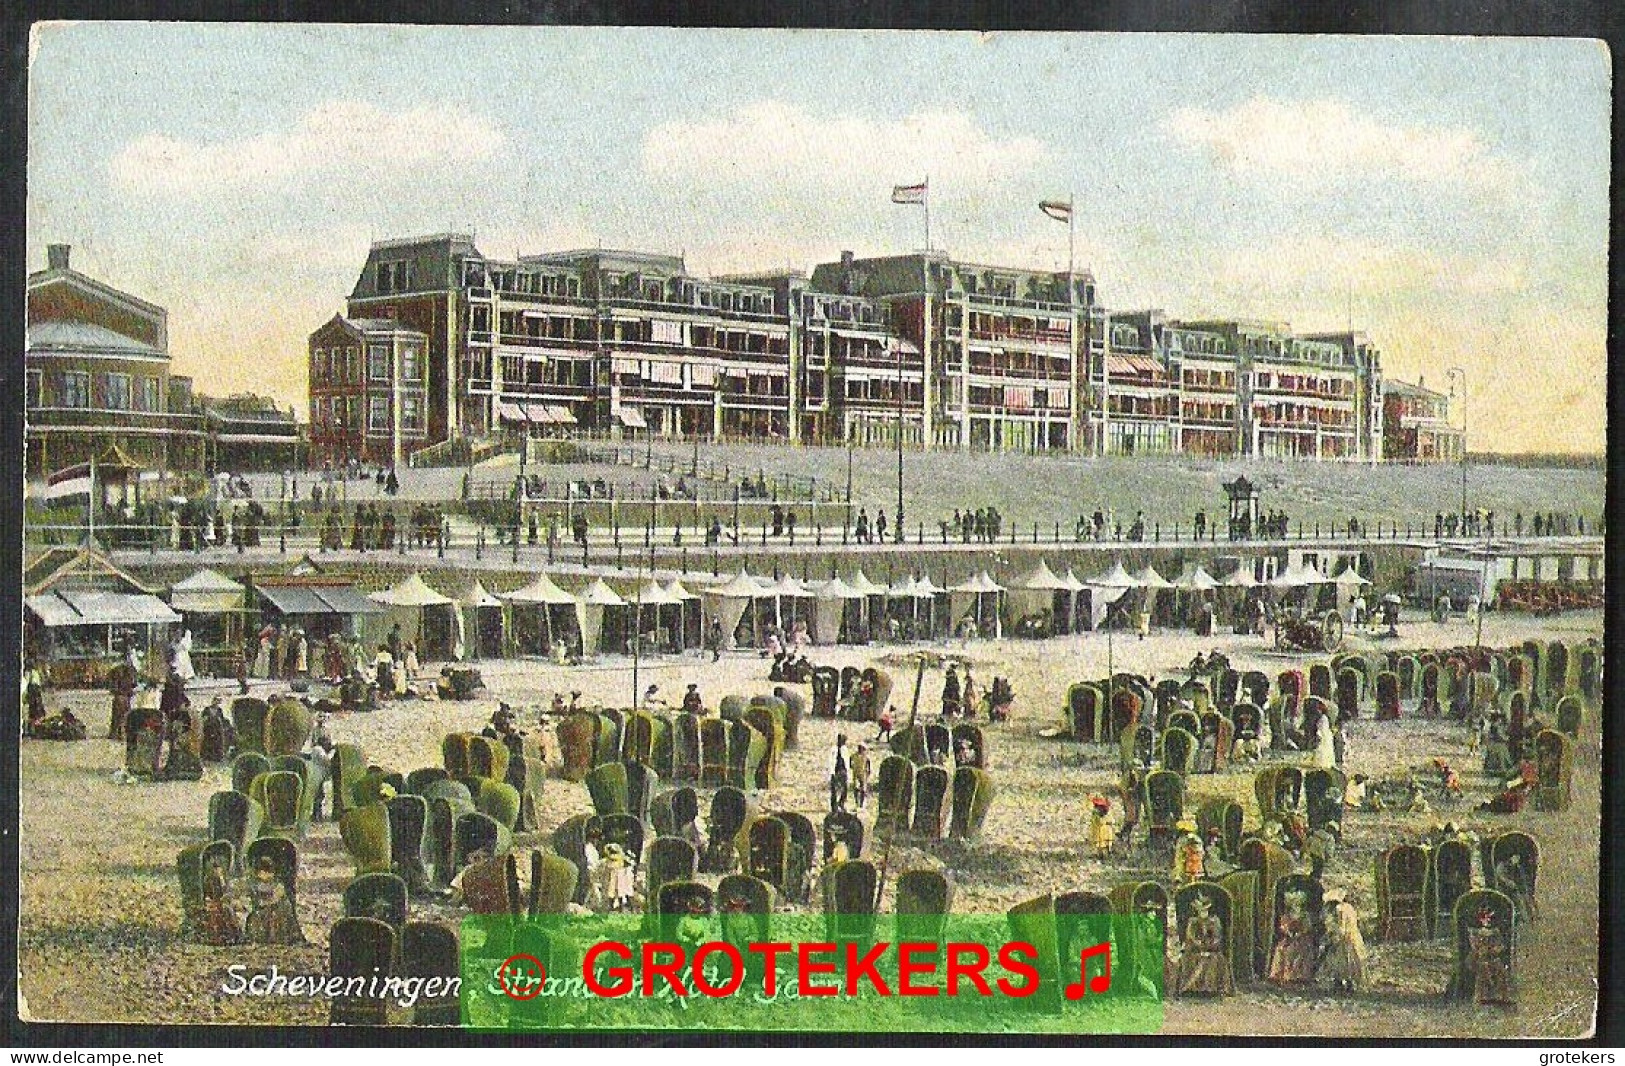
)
(1449, 196)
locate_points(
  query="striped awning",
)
(1134, 365)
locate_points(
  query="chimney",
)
(846, 259)
(1421, 381)
(56, 256)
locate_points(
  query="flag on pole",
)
(1059, 210)
(909, 194)
(68, 482)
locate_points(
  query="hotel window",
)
(378, 414)
(34, 386)
(146, 394)
(76, 389)
(412, 413)
(411, 366)
(378, 363)
(118, 392)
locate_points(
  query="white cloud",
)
(334, 137)
(1317, 266)
(775, 142)
(1316, 141)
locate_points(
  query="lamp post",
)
(900, 393)
(848, 525)
(1460, 374)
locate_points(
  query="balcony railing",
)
(697, 310)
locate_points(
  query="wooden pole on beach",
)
(892, 831)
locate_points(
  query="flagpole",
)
(926, 202)
(1071, 234)
(90, 508)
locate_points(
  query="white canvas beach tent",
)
(1040, 589)
(594, 604)
(727, 603)
(1106, 590)
(830, 601)
(554, 609)
(427, 618)
(979, 598)
(482, 623)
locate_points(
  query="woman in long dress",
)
(1487, 964)
(1204, 966)
(262, 657)
(1344, 965)
(1325, 755)
(1292, 958)
(183, 656)
(1102, 834)
(271, 919)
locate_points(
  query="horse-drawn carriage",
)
(1295, 629)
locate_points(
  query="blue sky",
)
(1448, 194)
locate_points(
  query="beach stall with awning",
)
(1106, 590)
(1040, 602)
(978, 600)
(837, 607)
(76, 634)
(542, 619)
(732, 605)
(214, 608)
(480, 623)
(320, 606)
(426, 618)
(658, 616)
(691, 614)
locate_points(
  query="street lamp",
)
(1460, 374)
(900, 393)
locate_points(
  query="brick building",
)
(1418, 425)
(369, 391)
(960, 355)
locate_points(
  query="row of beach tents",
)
(543, 618)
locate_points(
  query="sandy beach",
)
(101, 912)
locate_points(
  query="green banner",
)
(814, 973)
